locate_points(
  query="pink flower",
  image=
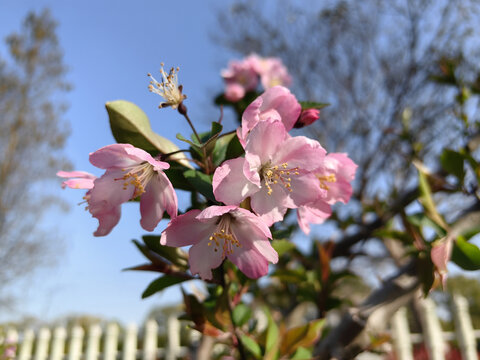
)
(277, 103)
(240, 77)
(130, 172)
(275, 173)
(307, 117)
(83, 180)
(271, 70)
(220, 232)
(334, 177)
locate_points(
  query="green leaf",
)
(421, 220)
(251, 346)
(173, 254)
(201, 182)
(296, 275)
(304, 335)
(193, 144)
(282, 246)
(466, 255)
(393, 234)
(241, 314)
(211, 142)
(220, 151)
(272, 340)
(234, 149)
(452, 162)
(130, 125)
(147, 253)
(161, 283)
(176, 177)
(312, 105)
(302, 354)
(426, 199)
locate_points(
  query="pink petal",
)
(244, 216)
(272, 207)
(346, 168)
(230, 185)
(204, 258)
(107, 220)
(266, 139)
(340, 190)
(113, 156)
(187, 230)
(252, 232)
(158, 197)
(250, 118)
(108, 191)
(284, 103)
(315, 213)
(440, 255)
(250, 262)
(302, 152)
(305, 189)
(234, 92)
(81, 179)
(76, 174)
(251, 168)
(214, 211)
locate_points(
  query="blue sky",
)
(109, 48)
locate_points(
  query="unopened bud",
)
(307, 117)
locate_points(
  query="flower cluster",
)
(277, 172)
(244, 75)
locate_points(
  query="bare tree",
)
(32, 137)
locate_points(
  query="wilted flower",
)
(168, 88)
(220, 232)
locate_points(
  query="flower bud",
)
(307, 117)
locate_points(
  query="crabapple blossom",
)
(271, 70)
(108, 218)
(307, 117)
(277, 103)
(220, 232)
(240, 77)
(334, 177)
(130, 173)
(168, 88)
(276, 172)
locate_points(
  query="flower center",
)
(223, 237)
(138, 176)
(326, 178)
(271, 175)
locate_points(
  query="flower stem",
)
(182, 109)
(240, 347)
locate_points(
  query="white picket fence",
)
(435, 340)
(143, 345)
(59, 345)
